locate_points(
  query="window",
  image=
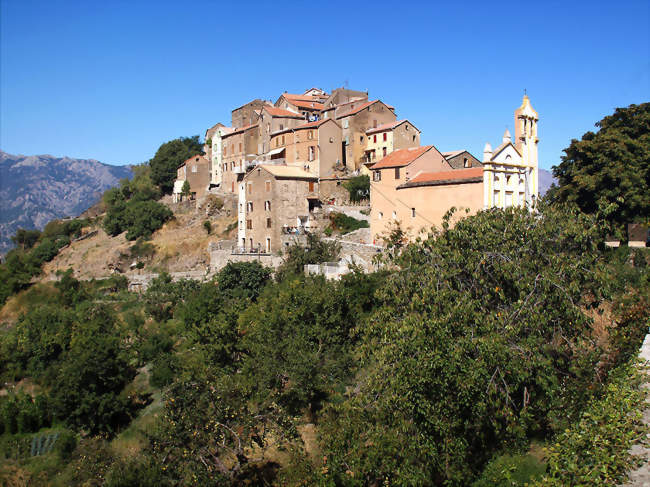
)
(268, 223)
(268, 245)
(412, 212)
(380, 215)
(283, 140)
(414, 138)
(277, 142)
(249, 206)
(268, 128)
(267, 206)
(267, 185)
(310, 135)
(384, 151)
(312, 151)
(250, 188)
(374, 124)
(376, 175)
(465, 162)
(394, 215)
(311, 186)
(346, 123)
(232, 188)
(385, 136)
(347, 140)
(249, 226)
(194, 169)
(374, 138)
(240, 147)
(396, 171)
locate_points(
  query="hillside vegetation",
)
(496, 351)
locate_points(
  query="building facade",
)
(196, 172)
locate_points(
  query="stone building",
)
(273, 119)
(207, 147)
(309, 106)
(276, 204)
(239, 151)
(217, 168)
(340, 96)
(247, 114)
(461, 159)
(388, 137)
(355, 122)
(511, 170)
(313, 146)
(196, 172)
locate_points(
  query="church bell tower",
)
(526, 140)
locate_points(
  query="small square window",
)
(412, 212)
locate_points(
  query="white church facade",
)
(510, 172)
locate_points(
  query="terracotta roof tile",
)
(288, 171)
(308, 104)
(357, 109)
(402, 157)
(456, 175)
(239, 130)
(279, 112)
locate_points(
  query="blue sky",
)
(112, 80)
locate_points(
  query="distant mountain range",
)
(546, 179)
(37, 189)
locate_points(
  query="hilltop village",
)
(286, 161)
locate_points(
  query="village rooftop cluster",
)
(285, 162)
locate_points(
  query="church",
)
(416, 186)
(510, 172)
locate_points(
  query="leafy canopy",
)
(610, 170)
(169, 156)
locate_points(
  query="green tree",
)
(610, 170)
(315, 251)
(358, 187)
(185, 190)
(480, 343)
(26, 238)
(169, 156)
(243, 279)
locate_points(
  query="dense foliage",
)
(358, 187)
(609, 171)
(24, 262)
(131, 207)
(169, 156)
(345, 224)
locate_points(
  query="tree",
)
(315, 252)
(169, 156)
(243, 278)
(609, 170)
(358, 187)
(185, 190)
(26, 238)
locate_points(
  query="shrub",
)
(510, 471)
(358, 187)
(208, 226)
(243, 278)
(346, 224)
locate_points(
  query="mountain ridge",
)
(35, 189)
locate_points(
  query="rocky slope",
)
(37, 189)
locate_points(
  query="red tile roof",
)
(279, 112)
(448, 176)
(239, 130)
(357, 109)
(402, 157)
(308, 104)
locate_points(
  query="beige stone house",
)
(309, 106)
(273, 119)
(461, 159)
(355, 122)
(196, 172)
(386, 138)
(239, 150)
(416, 187)
(277, 204)
(313, 146)
(247, 114)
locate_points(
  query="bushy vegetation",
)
(169, 156)
(34, 248)
(510, 329)
(131, 207)
(358, 187)
(343, 223)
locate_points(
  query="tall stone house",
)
(196, 171)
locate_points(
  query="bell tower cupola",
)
(526, 141)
